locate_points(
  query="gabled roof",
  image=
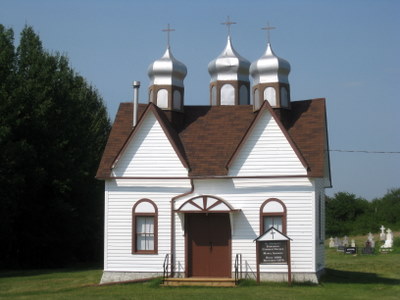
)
(168, 130)
(267, 107)
(122, 133)
(209, 136)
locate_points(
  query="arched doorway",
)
(208, 237)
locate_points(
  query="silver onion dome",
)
(270, 68)
(229, 65)
(167, 70)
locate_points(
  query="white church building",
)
(193, 186)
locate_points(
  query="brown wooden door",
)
(209, 245)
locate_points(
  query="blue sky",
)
(344, 51)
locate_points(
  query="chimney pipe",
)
(136, 85)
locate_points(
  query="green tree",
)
(8, 207)
(57, 129)
(342, 211)
(387, 209)
(348, 214)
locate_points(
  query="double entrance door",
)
(208, 245)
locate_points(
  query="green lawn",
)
(347, 277)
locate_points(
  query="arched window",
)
(144, 227)
(227, 94)
(177, 102)
(256, 100)
(151, 96)
(162, 98)
(273, 213)
(214, 95)
(243, 95)
(284, 97)
(270, 95)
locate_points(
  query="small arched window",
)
(270, 95)
(284, 97)
(144, 227)
(227, 94)
(243, 95)
(177, 102)
(273, 214)
(257, 102)
(162, 98)
(214, 95)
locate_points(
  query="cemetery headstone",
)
(371, 239)
(345, 241)
(382, 235)
(340, 246)
(353, 243)
(368, 249)
(387, 246)
(331, 243)
(350, 250)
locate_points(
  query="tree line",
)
(53, 128)
(347, 214)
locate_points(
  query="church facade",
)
(194, 186)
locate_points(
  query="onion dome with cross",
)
(229, 76)
(270, 74)
(166, 80)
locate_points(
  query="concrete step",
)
(200, 281)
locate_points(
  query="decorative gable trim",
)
(205, 204)
(267, 106)
(168, 130)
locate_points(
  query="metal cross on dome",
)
(268, 29)
(168, 30)
(228, 24)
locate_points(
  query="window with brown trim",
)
(144, 227)
(273, 214)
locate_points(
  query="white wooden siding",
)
(240, 193)
(266, 152)
(149, 153)
(118, 227)
(246, 195)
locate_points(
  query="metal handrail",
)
(166, 267)
(238, 267)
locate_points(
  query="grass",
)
(347, 277)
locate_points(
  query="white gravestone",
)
(382, 235)
(345, 241)
(371, 239)
(353, 243)
(331, 243)
(336, 240)
(389, 239)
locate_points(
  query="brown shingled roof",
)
(307, 125)
(210, 135)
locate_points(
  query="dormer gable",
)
(267, 149)
(153, 149)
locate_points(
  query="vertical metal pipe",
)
(136, 85)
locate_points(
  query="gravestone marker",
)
(336, 240)
(371, 239)
(368, 249)
(382, 235)
(350, 250)
(345, 241)
(387, 246)
(331, 243)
